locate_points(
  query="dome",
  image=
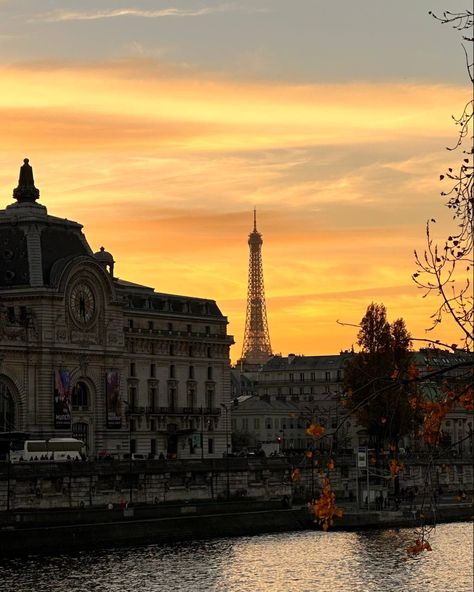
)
(104, 256)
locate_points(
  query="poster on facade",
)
(112, 399)
(62, 400)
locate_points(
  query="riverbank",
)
(47, 532)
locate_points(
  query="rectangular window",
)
(210, 445)
(132, 369)
(191, 372)
(209, 373)
(172, 398)
(291, 377)
(172, 371)
(170, 327)
(151, 325)
(133, 446)
(132, 397)
(302, 376)
(210, 398)
(256, 423)
(153, 446)
(208, 330)
(130, 323)
(328, 376)
(313, 376)
(245, 423)
(268, 423)
(152, 398)
(189, 328)
(152, 425)
(152, 370)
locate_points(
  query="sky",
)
(160, 125)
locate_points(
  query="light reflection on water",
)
(369, 561)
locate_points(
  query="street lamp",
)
(227, 449)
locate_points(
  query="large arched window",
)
(80, 396)
(7, 408)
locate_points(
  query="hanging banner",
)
(62, 400)
(112, 399)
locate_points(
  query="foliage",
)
(446, 270)
(376, 386)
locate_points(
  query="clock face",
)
(82, 303)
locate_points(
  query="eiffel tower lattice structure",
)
(256, 349)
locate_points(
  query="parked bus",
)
(53, 450)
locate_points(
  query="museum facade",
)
(83, 353)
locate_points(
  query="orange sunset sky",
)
(160, 125)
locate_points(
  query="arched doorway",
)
(80, 430)
(7, 408)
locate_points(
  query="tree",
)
(446, 270)
(375, 380)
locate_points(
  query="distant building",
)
(277, 402)
(84, 353)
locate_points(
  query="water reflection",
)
(290, 562)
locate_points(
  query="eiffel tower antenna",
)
(256, 348)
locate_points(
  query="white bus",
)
(52, 450)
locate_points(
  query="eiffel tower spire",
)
(256, 348)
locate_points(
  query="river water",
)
(371, 561)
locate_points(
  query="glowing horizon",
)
(162, 153)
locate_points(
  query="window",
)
(291, 377)
(190, 351)
(191, 372)
(171, 349)
(209, 352)
(313, 376)
(268, 423)
(152, 425)
(245, 424)
(132, 396)
(172, 371)
(208, 330)
(328, 376)
(170, 326)
(172, 398)
(302, 376)
(133, 446)
(80, 395)
(209, 373)
(189, 328)
(153, 446)
(210, 398)
(191, 397)
(151, 325)
(152, 370)
(130, 323)
(210, 445)
(132, 369)
(152, 398)
(256, 423)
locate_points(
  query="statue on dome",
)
(26, 191)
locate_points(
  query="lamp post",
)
(227, 449)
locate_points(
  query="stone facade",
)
(85, 354)
(276, 403)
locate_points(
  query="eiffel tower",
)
(256, 349)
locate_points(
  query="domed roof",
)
(104, 256)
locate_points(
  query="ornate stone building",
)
(85, 354)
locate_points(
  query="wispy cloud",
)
(63, 15)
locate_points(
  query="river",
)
(371, 561)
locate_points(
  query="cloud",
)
(64, 16)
